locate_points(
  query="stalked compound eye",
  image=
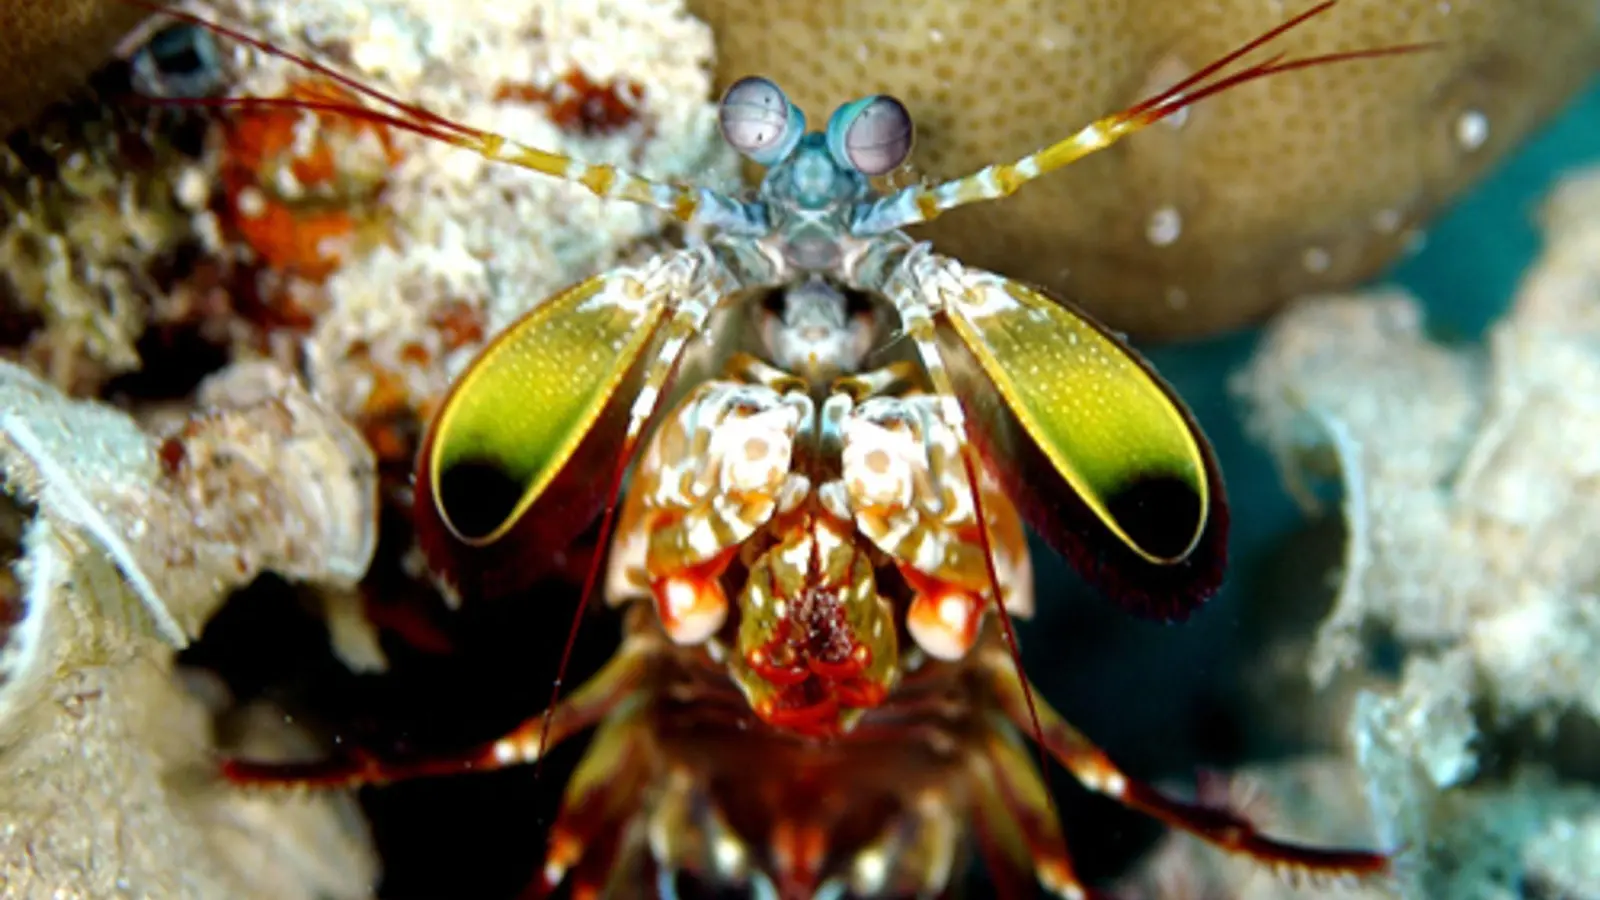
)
(759, 121)
(872, 135)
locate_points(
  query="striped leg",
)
(596, 841)
(1017, 825)
(592, 702)
(1216, 825)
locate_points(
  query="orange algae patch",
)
(460, 324)
(578, 105)
(299, 184)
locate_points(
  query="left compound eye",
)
(872, 135)
(758, 120)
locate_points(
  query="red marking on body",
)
(818, 666)
(704, 583)
(799, 849)
(926, 610)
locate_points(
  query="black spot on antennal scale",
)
(477, 496)
(1160, 513)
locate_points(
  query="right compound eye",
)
(872, 135)
(759, 121)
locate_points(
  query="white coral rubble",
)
(467, 231)
(1472, 500)
(1471, 475)
(128, 542)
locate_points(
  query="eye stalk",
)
(872, 135)
(758, 120)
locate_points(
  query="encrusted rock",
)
(1305, 182)
(115, 550)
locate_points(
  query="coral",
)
(331, 294)
(301, 208)
(266, 478)
(377, 276)
(119, 544)
(469, 245)
(1529, 837)
(87, 199)
(1177, 232)
(1469, 476)
(49, 48)
(1469, 479)
(1483, 839)
(1564, 860)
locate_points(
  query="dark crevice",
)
(456, 679)
(14, 518)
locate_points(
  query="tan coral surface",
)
(1306, 182)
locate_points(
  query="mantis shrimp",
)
(817, 549)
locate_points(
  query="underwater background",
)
(140, 350)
